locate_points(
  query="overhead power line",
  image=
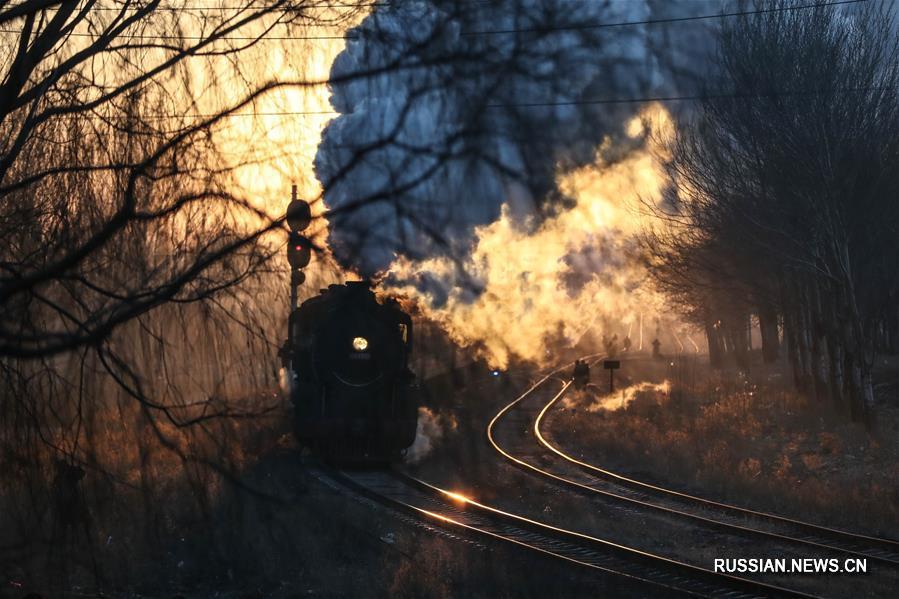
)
(236, 7)
(547, 29)
(691, 98)
(200, 38)
(579, 26)
(549, 104)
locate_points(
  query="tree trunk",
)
(820, 359)
(738, 339)
(716, 343)
(791, 327)
(835, 368)
(803, 337)
(859, 346)
(768, 330)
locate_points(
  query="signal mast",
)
(299, 248)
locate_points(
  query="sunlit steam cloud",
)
(528, 242)
(623, 398)
(572, 274)
(469, 123)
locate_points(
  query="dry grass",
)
(141, 514)
(160, 506)
(754, 445)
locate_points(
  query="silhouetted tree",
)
(787, 180)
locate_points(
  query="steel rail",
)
(452, 510)
(822, 537)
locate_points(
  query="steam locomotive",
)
(347, 358)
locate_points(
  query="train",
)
(347, 358)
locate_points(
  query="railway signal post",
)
(299, 249)
(611, 366)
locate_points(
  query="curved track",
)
(761, 523)
(447, 509)
(548, 461)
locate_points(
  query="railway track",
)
(464, 516)
(548, 461)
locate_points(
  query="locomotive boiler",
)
(347, 359)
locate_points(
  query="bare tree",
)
(141, 300)
(786, 186)
(129, 260)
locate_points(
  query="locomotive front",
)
(348, 358)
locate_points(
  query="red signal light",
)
(299, 251)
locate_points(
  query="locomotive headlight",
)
(360, 343)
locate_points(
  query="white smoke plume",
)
(431, 428)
